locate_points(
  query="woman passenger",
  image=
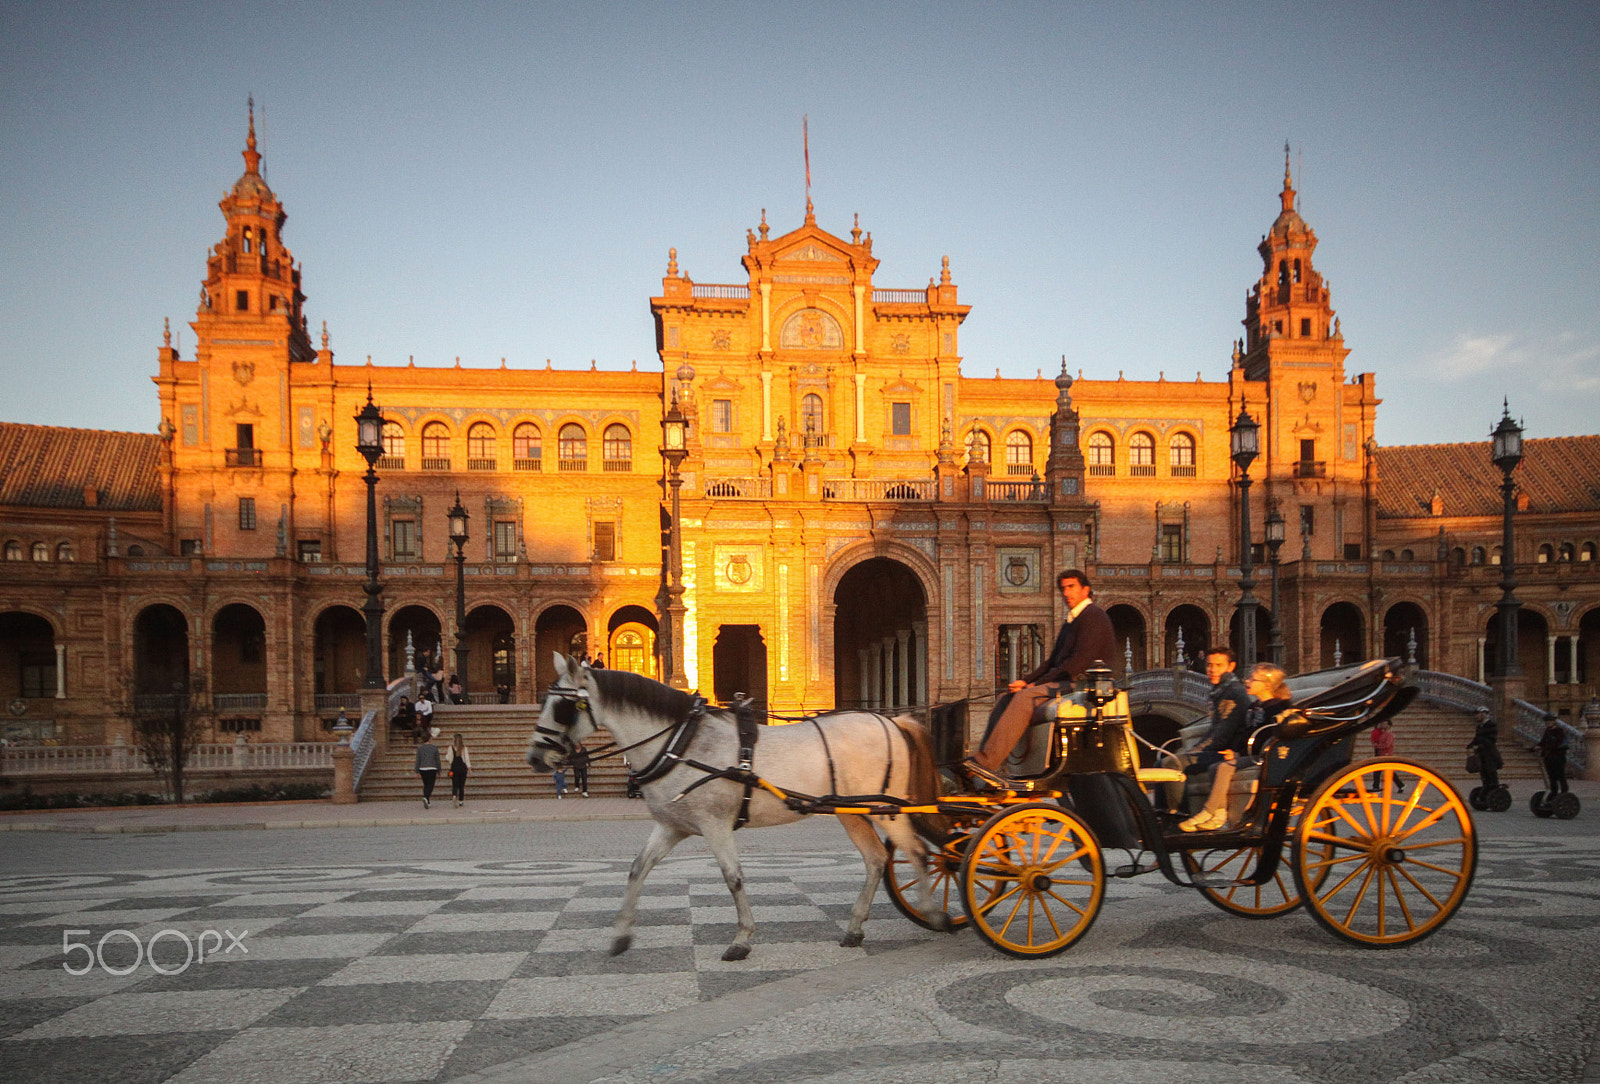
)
(1269, 697)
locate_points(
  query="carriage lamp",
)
(1505, 445)
(1099, 685)
(369, 442)
(458, 535)
(1245, 444)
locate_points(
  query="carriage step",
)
(1136, 869)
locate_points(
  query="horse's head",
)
(565, 719)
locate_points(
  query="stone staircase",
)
(497, 736)
(1438, 737)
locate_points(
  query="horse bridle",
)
(569, 702)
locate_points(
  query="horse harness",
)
(682, 734)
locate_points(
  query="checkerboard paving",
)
(388, 973)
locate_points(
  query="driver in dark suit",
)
(1085, 639)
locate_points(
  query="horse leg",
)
(873, 854)
(720, 838)
(657, 847)
(908, 843)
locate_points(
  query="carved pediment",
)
(811, 252)
(902, 387)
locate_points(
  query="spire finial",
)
(672, 263)
(855, 230)
(763, 223)
(805, 140)
(944, 271)
(324, 334)
(252, 158)
(166, 331)
(1288, 180)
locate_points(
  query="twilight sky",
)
(504, 180)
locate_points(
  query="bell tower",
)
(233, 423)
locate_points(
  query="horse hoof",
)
(852, 940)
(736, 952)
(621, 944)
(941, 923)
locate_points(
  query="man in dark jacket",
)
(1085, 639)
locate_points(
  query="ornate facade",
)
(861, 522)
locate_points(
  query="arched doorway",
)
(739, 664)
(1263, 638)
(27, 657)
(1343, 637)
(560, 628)
(1533, 650)
(631, 641)
(880, 649)
(491, 644)
(422, 626)
(160, 652)
(1588, 647)
(1187, 634)
(238, 658)
(339, 652)
(1405, 624)
(1128, 625)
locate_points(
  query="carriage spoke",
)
(1361, 894)
(1403, 872)
(1052, 894)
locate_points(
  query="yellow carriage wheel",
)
(1033, 880)
(1276, 897)
(944, 870)
(1385, 853)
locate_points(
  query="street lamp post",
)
(1275, 528)
(675, 428)
(1506, 451)
(458, 535)
(1245, 438)
(369, 442)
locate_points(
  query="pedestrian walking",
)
(580, 771)
(427, 766)
(559, 778)
(456, 695)
(458, 762)
(424, 723)
(1552, 750)
(1382, 749)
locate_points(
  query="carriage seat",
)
(1035, 754)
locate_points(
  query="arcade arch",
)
(491, 643)
(160, 651)
(338, 651)
(1343, 635)
(27, 657)
(559, 628)
(422, 625)
(880, 633)
(631, 641)
(239, 652)
(1188, 625)
(1128, 625)
(1403, 624)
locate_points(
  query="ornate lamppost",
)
(1245, 444)
(369, 442)
(1275, 528)
(675, 428)
(1506, 451)
(458, 535)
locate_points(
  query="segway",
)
(1545, 803)
(1495, 799)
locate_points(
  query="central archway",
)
(880, 637)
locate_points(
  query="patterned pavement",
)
(496, 971)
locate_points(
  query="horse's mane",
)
(638, 691)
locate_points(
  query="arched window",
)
(13, 550)
(617, 446)
(527, 447)
(1568, 553)
(1388, 555)
(40, 551)
(64, 552)
(1547, 553)
(1102, 454)
(1407, 555)
(480, 446)
(248, 240)
(1495, 556)
(812, 424)
(1478, 556)
(1019, 453)
(1180, 455)
(572, 446)
(1458, 557)
(1587, 553)
(978, 446)
(435, 446)
(1142, 455)
(394, 447)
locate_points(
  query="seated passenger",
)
(1227, 745)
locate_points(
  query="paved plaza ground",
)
(470, 946)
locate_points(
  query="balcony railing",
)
(901, 297)
(1102, 470)
(1311, 468)
(1031, 490)
(618, 465)
(435, 464)
(391, 462)
(880, 489)
(243, 457)
(565, 465)
(1141, 470)
(480, 464)
(721, 291)
(739, 487)
(1183, 470)
(535, 463)
(237, 701)
(224, 756)
(335, 701)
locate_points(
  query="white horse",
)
(842, 753)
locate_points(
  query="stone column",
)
(1550, 660)
(61, 670)
(1013, 636)
(766, 406)
(919, 664)
(1481, 676)
(903, 636)
(864, 679)
(766, 316)
(1572, 660)
(861, 408)
(344, 775)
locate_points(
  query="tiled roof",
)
(49, 466)
(1559, 474)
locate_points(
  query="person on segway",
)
(1552, 749)
(1484, 752)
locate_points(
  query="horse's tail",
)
(923, 784)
